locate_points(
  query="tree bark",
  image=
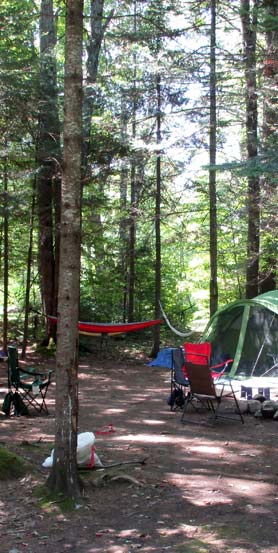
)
(133, 187)
(6, 253)
(249, 31)
(212, 161)
(98, 25)
(123, 228)
(64, 476)
(269, 224)
(28, 275)
(94, 41)
(132, 242)
(49, 160)
(156, 332)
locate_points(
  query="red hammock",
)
(109, 328)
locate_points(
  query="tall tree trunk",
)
(249, 30)
(212, 161)
(64, 475)
(123, 230)
(6, 253)
(132, 241)
(269, 223)
(94, 42)
(133, 191)
(98, 25)
(156, 332)
(28, 275)
(49, 158)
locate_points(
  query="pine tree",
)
(64, 476)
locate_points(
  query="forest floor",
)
(191, 489)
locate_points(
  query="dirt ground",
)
(191, 489)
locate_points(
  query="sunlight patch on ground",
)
(150, 422)
(197, 493)
(112, 411)
(122, 548)
(200, 538)
(109, 549)
(84, 366)
(150, 438)
(249, 488)
(137, 398)
(153, 421)
(185, 529)
(82, 376)
(2, 509)
(205, 489)
(24, 428)
(205, 450)
(208, 450)
(129, 533)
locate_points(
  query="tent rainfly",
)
(247, 331)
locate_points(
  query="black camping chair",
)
(179, 383)
(29, 384)
(206, 391)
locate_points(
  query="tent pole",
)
(240, 340)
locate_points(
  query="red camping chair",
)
(199, 354)
(203, 380)
(206, 391)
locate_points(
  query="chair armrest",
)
(217, 371)
(27, 373)
(221, 367)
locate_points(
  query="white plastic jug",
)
(86, 455)
(85, 442)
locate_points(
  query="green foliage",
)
(18, 63)
(170, 38)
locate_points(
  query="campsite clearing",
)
(191, 489)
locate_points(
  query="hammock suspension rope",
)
(175, 330)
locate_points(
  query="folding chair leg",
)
(187, 401)
(237, 409)
(32, 401)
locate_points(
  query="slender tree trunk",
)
(133, 192)
(123, 230)
(269, 189)
(249, 30)
(132, 241)
(64, 475)
(212, 161)
(98, 25)
(156, 332)
(48, 157)
(94, 42)
(28, 276)
(57, 219)
(6, 254)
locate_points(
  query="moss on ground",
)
(11, 465)
(54, 502)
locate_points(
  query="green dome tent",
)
(247, 332)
